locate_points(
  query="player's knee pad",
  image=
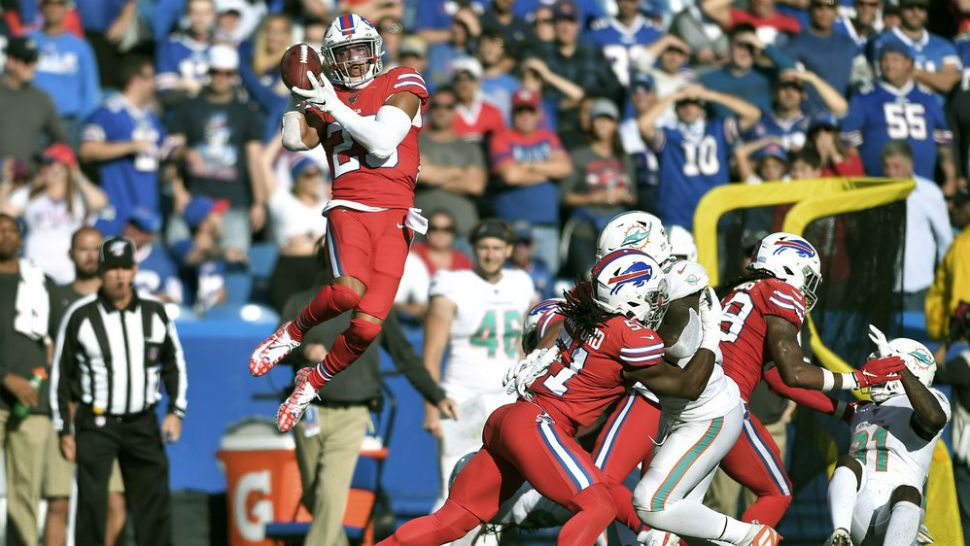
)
(906, 493)
(361, 334)
(344, 297)
(595, 499)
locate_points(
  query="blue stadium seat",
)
(249, 312)
(239, 285)
(262, 260)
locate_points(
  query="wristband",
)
(828, 380)
(849, 381)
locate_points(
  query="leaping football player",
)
(877, 488)
(368, 123)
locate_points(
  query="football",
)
(297, 61)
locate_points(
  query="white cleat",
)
(839, 537)
(291, 410)
(272, 350)
(761, 535)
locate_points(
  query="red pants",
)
(521, 442)
(371, 247)
(755, 462)
(627, 438)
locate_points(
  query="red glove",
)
(879, 371)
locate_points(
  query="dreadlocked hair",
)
(749, 275)
(582, 314)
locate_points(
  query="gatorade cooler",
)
(263, 481)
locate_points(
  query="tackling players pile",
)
(645, 338)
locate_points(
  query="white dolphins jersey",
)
(683, 279)
(884, 441)
(485, 336)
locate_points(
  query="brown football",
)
(297, 60)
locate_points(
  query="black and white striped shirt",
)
(116, 360)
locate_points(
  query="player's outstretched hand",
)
(879, 371)
(448, 409)
(321, 95)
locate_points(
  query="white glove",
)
(528, 370)
(322, 96)
(879, 338)
(656, 537)
(710, 311)
(514, 370)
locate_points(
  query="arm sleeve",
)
(173, 370)
(803, 397)
(407, 361)
(641, 349)
(784, 301)
(63, 370)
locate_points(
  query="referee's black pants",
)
(137, 443)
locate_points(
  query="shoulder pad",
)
(686, 278)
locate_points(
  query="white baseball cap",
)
(223, 57)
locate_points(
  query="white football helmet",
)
(682, 245)
(627, 282)
(918, 359)
(791, 259)
(351, 40)
(637, 230)
(539, 313)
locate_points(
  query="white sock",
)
(688, 517)
(842, 497)
(903, 524)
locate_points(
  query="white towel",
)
(33, 303)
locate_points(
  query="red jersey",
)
(478, 122)
(359, 176)
(744, 327)
(588, 377)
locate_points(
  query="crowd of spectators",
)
(160, 120)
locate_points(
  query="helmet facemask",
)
(353, 63)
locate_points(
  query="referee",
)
(114, 351)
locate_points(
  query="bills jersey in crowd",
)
(360, 176)
(744, 327)
(181, 57)
(790, 131)
(930, 53)
(588, 376)
(621, 45)
(884, 441)
(882, 113)
(129, 181)
(485, 337)
(693, 159)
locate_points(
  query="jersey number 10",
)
(700, 158)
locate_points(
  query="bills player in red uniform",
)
(761, 319)
(608, 342)
(368, 123)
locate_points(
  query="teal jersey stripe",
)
(683, 465)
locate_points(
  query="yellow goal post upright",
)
(812, 200)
